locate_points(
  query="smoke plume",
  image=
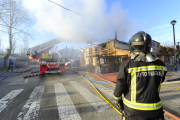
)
(98, 24)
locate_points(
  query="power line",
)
(66, 8)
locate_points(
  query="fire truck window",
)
(61, 65)
(43, 66)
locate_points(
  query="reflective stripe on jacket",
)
(140, 82)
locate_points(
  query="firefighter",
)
(10, 66)
(139, 80)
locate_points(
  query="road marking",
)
(5, 101)
(104, 89)
(66, 108)
(21, 81)
(99, 104)
(31, 108)
(26, 80)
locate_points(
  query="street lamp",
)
(173, 22)
(178, 50)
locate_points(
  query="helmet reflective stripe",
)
(137, 43)
(142, 106)
(146, 68)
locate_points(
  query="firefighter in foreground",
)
(139, 79)
(10, 66)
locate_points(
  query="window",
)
(61, 65)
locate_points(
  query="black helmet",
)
(140, 42)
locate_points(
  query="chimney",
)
(71, 48)
(66, 47)
(115, 35)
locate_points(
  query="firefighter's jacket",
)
(10, 63)
(140, 82)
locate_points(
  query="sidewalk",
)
(3, 72)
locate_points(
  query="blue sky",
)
(151, 16)
(155, 17)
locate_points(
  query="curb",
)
(175, 79)
(31, 75)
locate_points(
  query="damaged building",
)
(106, 57)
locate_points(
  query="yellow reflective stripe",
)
(142, 106)
(124, 118)
(118, 98)
(161, 81)
(133, 87)
(146, 68)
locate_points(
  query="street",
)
(53, 97)
(64, 96)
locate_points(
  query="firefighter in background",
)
(10, 65)
(139, 79)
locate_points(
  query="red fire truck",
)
(48, 63)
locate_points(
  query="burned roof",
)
(122, 42)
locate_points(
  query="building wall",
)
(161, 57)
(20, 62)
(1, 63)
(166, 58)
(123, 52)
(155, 46)
(114, 47)
(67, 55)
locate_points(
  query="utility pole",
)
(178, 51)
(173, 22)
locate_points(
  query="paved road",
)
(55, 97)
(170, 96)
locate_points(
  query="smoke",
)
(98, 23)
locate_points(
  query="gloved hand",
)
(119, 104)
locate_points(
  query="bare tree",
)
(14, 22)
(23, 46)
(14, 46)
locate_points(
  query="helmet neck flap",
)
(144, 57)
